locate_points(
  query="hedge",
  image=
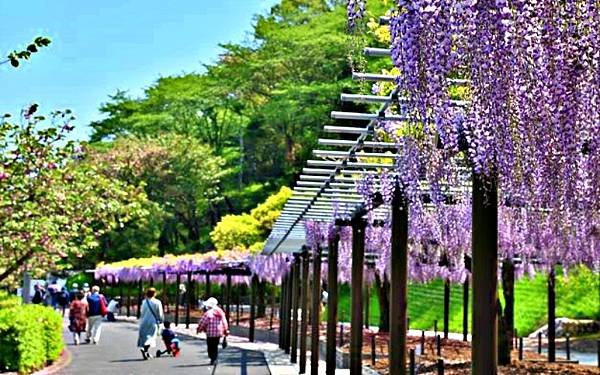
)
(30, 337)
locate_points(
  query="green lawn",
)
(578, 296)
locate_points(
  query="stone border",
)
(60, 364)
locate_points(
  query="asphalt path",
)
(117, 354)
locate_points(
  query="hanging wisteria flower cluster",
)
(516, 85)
(355, 10)
(533, 69)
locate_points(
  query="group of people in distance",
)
(51, 295)
(213, 322)
(86, 313)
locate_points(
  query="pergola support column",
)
(207, 287)
(398, 284)
(551, 315)
(332, 304)
(485, 274)
(465, 309)
(139, 300)
(165, 296)
(446, 308)
(177, 300)
(128, 300)
(190, 294)
(304, 309)
(228, 297)
(358, 263)
(315, 312)
(252, 307)
(282, 299)
(295, 293)
(288, 311)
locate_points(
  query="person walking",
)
(77, 317)
(63, 300)
(38, 294)
(151, 317)
(215, 324)
(96, 310)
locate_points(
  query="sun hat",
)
(211, 302)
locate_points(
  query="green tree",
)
(180, 174)
(236, 232)
(53, 206)
(250, 231)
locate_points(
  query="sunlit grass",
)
(578, 296)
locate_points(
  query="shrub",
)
(8, 301)
(30, 337)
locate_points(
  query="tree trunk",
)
(383, 293)
(506, 318)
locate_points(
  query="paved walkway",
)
(117, 354)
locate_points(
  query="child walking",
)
(170, 340)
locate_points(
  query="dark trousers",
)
(212, 343)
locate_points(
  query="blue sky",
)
(99, 47)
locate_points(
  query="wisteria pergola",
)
(361, 177)
(227, 267)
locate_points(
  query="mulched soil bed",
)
(457, 355)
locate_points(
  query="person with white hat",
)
(214, 323)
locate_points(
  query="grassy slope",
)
(578, 296)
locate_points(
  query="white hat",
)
(211, 302)
(75, 285)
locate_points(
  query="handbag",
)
(103, 309)
(224, 343)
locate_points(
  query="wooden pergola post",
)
(121, 295)
(129, 299)
(315, 312)
(358, 264)
(466, 309)
(228, 296)
(304, 309)
(466, 300)
(485, 275)
(177, 300)
(165, 295)
(252, 307)
(237, 309)
(367, 297)
(398, 284)
(446, 308)
(139, 304)
(190, 294)
(332, 304)
(551, 315)
(282, 301)
(288, 312)
(295, 294)
(207, 286)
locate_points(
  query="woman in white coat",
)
(151, 317)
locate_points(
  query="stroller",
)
(172, 343)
